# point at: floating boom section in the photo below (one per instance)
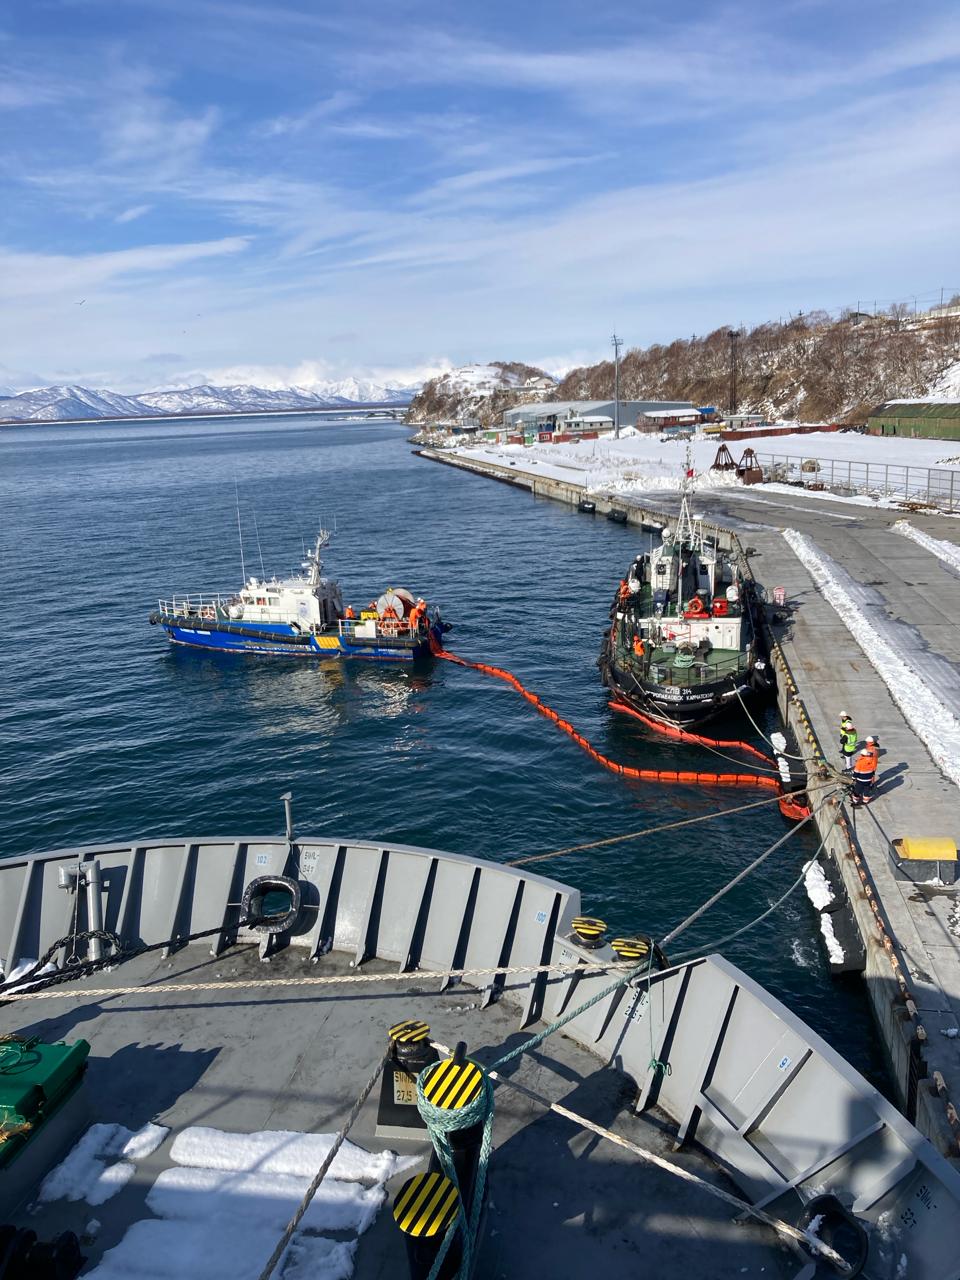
(690, 777)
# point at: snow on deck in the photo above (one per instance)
(229, 1196)
(101, 1164)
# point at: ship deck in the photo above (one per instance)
(563, 1201)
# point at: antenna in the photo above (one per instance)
(617, 344)
(256, 529)
(236, 489)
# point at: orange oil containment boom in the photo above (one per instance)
(684, 735)
(626, 771)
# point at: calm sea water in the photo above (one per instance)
(110, 733)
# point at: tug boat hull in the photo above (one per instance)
(686, 640)
(670, 705)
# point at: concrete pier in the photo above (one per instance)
(911, 932)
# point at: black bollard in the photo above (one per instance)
(424, 1208)
(451, 1085)
(410, 1052)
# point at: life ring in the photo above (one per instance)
(720, 607)
(695, 609)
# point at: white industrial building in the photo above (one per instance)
(577, 416)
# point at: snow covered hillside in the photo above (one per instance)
(480, 391)
(59, 404)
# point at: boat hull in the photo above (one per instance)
(280, 640)
(675, 705)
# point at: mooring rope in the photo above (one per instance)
(666, 826)
(798, 1240)
(441, 1122)
(324, 980)
(741, 875)
(321, 1173)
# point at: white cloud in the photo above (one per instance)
(309, 374)
(337, 103)
(33, 275)
(130, 215)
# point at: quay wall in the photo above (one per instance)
(920, 1089)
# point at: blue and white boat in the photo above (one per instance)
(303, 617)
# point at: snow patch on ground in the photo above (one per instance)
(921, 705)
(638, 462)
(101, 1163)
(223, 1206)
(948, 552)
(817, 886)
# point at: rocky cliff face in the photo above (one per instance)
(813, 368)
(480, 392)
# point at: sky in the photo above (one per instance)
(282, 193)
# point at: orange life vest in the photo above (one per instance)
(866, 767)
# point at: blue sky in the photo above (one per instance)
(285, 192)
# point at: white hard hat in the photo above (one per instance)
(871, 738)
(864, 753)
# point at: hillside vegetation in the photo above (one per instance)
(479, 391)
(812, 368)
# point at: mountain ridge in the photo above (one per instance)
(67, 402)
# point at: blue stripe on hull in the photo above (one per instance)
(228, 642)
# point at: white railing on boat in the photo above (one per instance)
(196, 604)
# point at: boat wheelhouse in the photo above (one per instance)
(685, 640)
(302, 616)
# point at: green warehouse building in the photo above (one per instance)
(936, 419)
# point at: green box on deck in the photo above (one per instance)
(35, 1080)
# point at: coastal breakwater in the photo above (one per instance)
(921, 1069)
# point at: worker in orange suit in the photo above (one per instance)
(864, 776)
(349, 612)
(638, 646)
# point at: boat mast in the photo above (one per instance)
(243, 568)
(256, 529)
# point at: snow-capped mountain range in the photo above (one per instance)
(66, 403)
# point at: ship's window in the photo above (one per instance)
(261, 600)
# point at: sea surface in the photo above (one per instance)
(110, 733)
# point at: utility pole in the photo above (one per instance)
(617, 344)
(733, 336)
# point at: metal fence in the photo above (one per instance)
(932, 486)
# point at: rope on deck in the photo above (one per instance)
(321, 1173)
(325, 980)
(797, 1239)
